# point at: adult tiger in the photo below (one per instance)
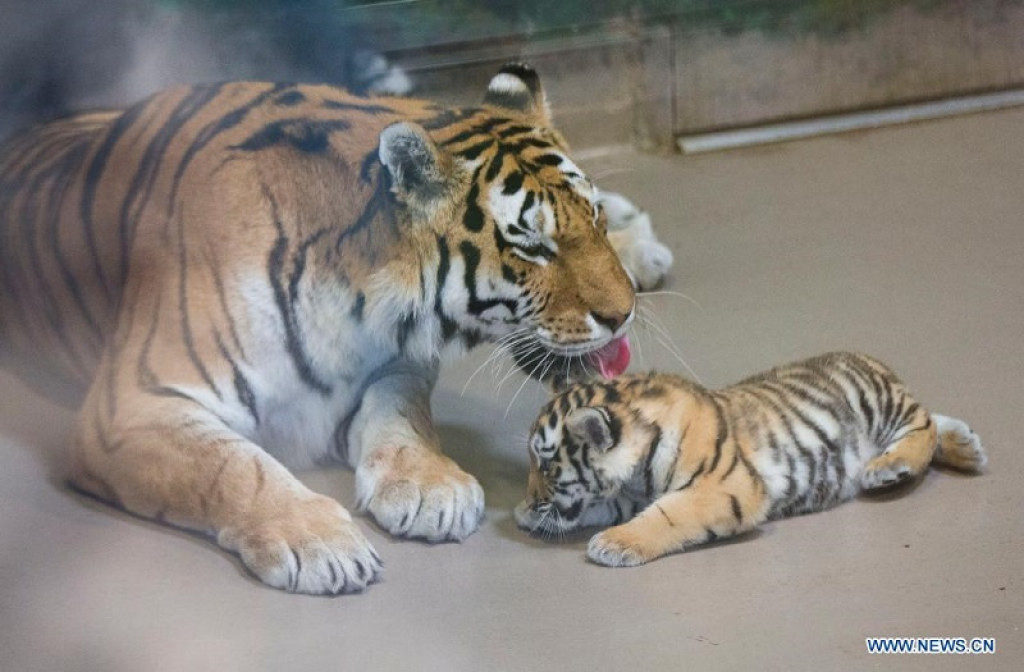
(244, 276)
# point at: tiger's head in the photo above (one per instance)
(587, 452)
(516, 229)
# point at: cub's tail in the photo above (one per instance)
(958, 446)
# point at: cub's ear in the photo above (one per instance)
(591, 426)
(420, 172)
(517, 87)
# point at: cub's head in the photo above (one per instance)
(587, 452)
(516, 229)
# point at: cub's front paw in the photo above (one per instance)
(310, 545)
(617, 547)
(415, 492)
(959, 447)
(885, 473)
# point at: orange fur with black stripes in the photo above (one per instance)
(672, 464)
(245, 277)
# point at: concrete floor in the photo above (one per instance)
(907, 243)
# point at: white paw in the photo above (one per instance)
(645, 258)
(419, 494)
(380, 77)
(959, 446)
(608, 549)
(885, 476)
(393, 83)
(619, 210)
(650, 264)
(308, 546)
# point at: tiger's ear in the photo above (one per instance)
(517, 87)
(420, 172)
(591, 426)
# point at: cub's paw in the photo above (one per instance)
(885, 473)
(417, 493)
(959, 447)
(311, 545)
(616, 547)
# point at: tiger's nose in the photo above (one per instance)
(613, 321)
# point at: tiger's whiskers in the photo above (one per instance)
(526, 364)
(601, 174)
(650, 321)
(503, 346)
(667, 292)
(526, 380)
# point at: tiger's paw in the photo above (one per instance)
(309, 546)
(645, 258)
(881, 473)
(417, 493)
(616, 547)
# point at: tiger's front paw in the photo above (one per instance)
(309, 545)
(618, 547)
(417, 493)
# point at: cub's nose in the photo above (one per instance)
(530, 514)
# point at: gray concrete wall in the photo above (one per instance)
(645, 83)
(904, 56)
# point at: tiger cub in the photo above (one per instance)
(678, 465)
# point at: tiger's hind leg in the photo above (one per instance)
(958, 446)
(645, 258)
(906, 456)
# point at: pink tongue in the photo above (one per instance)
(613, 358)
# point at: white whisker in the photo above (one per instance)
(666, 292)
(681, 360)
(640, 348)
(502, 346)
(547, 368)
(584, 367)
(494, 358)
(525, 364)
(650, 321)
(525, 381)
(599, 175)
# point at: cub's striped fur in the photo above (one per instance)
(680, 465)
(246, 276)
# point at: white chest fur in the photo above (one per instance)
(299, 423)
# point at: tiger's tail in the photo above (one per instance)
(958, 446)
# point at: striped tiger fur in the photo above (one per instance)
(245, 277)
(672, 464)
